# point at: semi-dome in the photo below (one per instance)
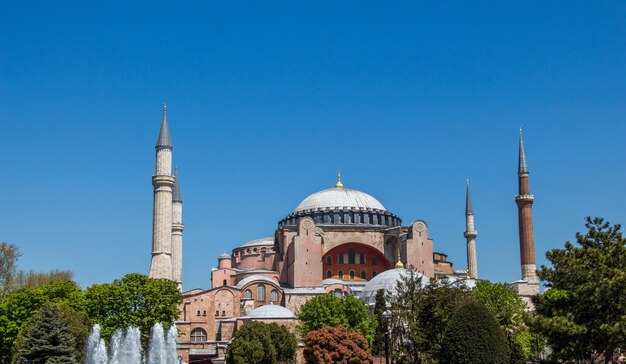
(271, 312)
(341, 198)
(388, 281)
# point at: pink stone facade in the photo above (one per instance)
(312, 252)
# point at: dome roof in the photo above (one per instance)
(262, 241)
(339, 197)
(224, 256)
(388, 281)
(271, 312)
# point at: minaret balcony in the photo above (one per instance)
(525, 198)
(470, 234)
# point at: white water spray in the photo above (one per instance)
(125, 348)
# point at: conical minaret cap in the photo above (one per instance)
(164, 139)
(523, 165)
(176, 196)
(468, 201)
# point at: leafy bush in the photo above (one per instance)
(260, 343)
(328, 310)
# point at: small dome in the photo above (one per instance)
(271, 312)
(256, 242)
(340, 198)
(387, 280)
(224, 256)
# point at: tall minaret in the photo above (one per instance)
(177, 233)
(524, 201)
(470, 235)
(163, 182)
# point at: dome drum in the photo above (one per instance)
(346, 216)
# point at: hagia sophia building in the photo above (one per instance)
(340, 241)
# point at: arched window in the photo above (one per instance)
(340, 274)
(274, 296)
(198, 335)
(224, 283)
(351, 256)
(351, 274)
(329, 260)
(247, 294)
(329, 274)
(361, 258)
(374, 274)
(340, 260)
(260, 293)
(363, 275)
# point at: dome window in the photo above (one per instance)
(274, 296)
(329, 260)
(340, 274)
(329, 274)
(247, 294)
(352, 275)
(363, 275)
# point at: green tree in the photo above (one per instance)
(55, 334)
(328, 310)
(135, 300)
(9, 254)
(336, 345)
(509, 310)
(19, 306)
(420, 314)
(473, 336)
(260, 343)
(380, 306)
(34, 279)
(584, 310)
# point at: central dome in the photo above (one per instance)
(342, 198)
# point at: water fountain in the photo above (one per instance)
(125, 347)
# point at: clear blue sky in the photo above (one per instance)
(265, 101)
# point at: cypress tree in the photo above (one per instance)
(378, 346)
(473, 336)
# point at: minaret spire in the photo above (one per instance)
(470, 235)
(522, 166)
(468, 200)
(164, 140)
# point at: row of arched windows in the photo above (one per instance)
(351, 274)
(260, 294)
(351, 258)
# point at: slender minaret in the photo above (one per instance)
(524, 201)
(470, 236)
(163, 182)
(177, 233)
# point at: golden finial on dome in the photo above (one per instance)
(399, 264)
(339, 184)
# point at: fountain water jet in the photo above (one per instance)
(96, 350)
(125, 348)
